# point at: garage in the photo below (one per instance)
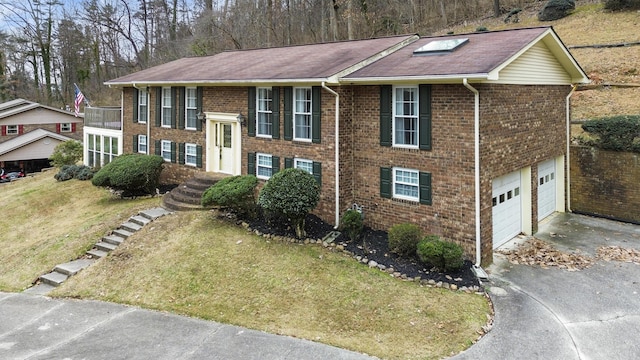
(506, 208)
(546, 188)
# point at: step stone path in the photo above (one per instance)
(108, 243)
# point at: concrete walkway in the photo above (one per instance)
(556, 314)
(37, 327)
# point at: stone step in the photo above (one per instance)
(140, 220)
(154, 213)
(169, 203)
(54, 278)
(97, 253)
(104, 246)
(113, 239)
(189, 198)
(122, 233)
(73, 267)
(131, 227)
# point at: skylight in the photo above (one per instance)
(440, 46)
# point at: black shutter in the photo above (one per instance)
(174, 108)
(135, 144)
(288, 113)
(316, 102)
(275, 164)
(182, 155)
(275, 112)
(251, 164)
(135, 105)
(199, 96)
(158, 106)
(181, 107)
(288, 163)
(425, 117)
(385, 182)
(251, 116)
(173, 152)
(199, 156)
(425, 188)
(386, 116)
(317, 172)
(158, 148)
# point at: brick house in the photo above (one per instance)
(30, 131)
(464, 135)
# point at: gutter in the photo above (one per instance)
(568, 166)
(337, 153)
(480, 273)
(146, 88)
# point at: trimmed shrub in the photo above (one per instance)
(68, 172)
(290, 193)
(444, 255)
(131, 174)
(616, 133)
(351, 223)
(621, 5)
(66, 153)
(236, 193)
(556, 9)
(404, 239)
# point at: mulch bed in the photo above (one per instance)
(378, 251)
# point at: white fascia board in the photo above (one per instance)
(439, 79)
(253, 82)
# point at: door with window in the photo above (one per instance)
(225, 147)
(223, 139)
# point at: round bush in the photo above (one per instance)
(236, 193)
(444, 255)
(66, 153)
(133, 174)
(351, 222)
(291, 193)
(404, 239)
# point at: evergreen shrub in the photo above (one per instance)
(444, 255)
(236, 193)
(131, 174)
(404, 239)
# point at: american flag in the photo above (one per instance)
(79, 99)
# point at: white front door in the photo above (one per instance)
(546, 188)
(507, 208)
(223, 143)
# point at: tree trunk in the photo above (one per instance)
(496, 8)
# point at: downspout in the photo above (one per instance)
(568, 165)
(146, 88)
(337, 153)
(476, 125)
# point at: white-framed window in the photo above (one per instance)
(405, 117)
(264, 122)
(142, 144)
(101, 149)
(406, 184)
(143, 105)
(191, 108)
(303, 164)
(302, 114)
(190, 154)
(12, 129)
(65, 127)
(264, 166)
(165, 150)
(167, 102)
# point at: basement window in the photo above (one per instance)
(440, 46)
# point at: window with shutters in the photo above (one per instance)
(167, 102)
(142, 144)
(302, 114)
(190, 154)
(405, 117)
(303, 164)
(191, 108)
(264, 166)
(66, 127)
(143, 105)
(264, 112)
(406, 184)
(165, 151)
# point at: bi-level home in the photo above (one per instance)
(465, 135)
(29, 132)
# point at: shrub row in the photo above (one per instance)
(616, 133)
(406, 240)
(68, 172)
(131, 174)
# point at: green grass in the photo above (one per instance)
(196, 265)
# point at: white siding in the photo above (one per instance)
(39, 149)
(537, 65)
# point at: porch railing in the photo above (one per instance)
(103, 117)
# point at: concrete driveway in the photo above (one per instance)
(552, 313)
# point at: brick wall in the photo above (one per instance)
(605, 183)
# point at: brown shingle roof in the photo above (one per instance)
(313, 62)
(483, 53)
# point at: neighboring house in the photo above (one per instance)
(30, 131)
(464, 135)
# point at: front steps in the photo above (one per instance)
(187, 196)
(108, 243)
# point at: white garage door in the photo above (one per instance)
(506, 208)
(546, 188)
